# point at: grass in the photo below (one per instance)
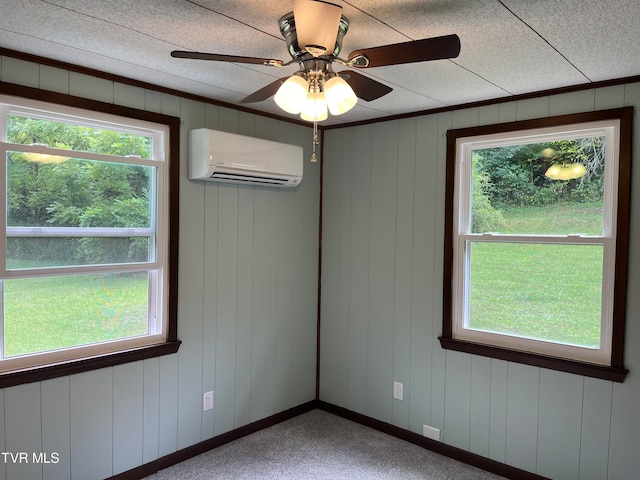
(43, 314)
(549, 292)
(543, 291)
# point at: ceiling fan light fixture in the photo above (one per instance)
(565, 171)
(314, 108)
(339, 96)
(44, 158)
(292, 94)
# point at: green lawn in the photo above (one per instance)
(44, 314)
(550, 292)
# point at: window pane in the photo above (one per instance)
(44, 252)
(27, 131)
(555, 187)
(77, 193)
(541, 291)
(44, 314)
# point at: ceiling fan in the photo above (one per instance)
(314, 32)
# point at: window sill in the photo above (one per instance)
(614, 374)
(46, 372)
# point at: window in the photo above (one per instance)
(88, 264)
(536, 247)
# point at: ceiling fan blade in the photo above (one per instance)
(436, 48)
(265, 92)
(226, 58)
(317, 24)
(364, 87)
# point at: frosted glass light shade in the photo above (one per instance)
(339, 96)
(292, 94)
(44, 158)
(315, 108)
(567, 171)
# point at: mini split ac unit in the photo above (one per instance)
(228, 157)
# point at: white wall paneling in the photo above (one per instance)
(247, 310)
(555, 424)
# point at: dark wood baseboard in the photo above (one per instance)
(412, 437)
(202, 447)
(437, 447)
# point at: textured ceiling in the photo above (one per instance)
(509, 47)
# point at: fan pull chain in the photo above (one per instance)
(314, 158)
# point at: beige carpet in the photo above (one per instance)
(319, 445)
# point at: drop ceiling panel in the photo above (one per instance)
(600, 38)
(509, 47)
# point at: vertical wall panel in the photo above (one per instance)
(20, 72)
(359, 261)
(56, 435)
(457, 397)
(191, 289)
(596, 425)
(128, 403)
(245, 308)
(23, 430)
(54, 79)
(381, 260)
(480, 414)
(559, 425)
(168, 406)
(522, 416)
(151, 410)
(330, 345)
(264, 306)
(422, 275)
(129, 95)
(332, 318)
(489, 114)
(498, 411)
(532, 108)
(226, 308)
(86, 86)
(344, 331)
(609, 97)
(209, 280)
(287, 290)
(583, 100)
(210, 302)
(153, 101)
(403, 268)
(92, 425)
(436, 186)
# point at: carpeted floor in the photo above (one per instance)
(319, 445)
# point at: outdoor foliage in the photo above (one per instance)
(516, 174)
(77, 193)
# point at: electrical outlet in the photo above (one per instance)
(398, 390)
(430, 432)
(207, 401)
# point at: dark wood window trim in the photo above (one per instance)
(172, 343)
(616, 371)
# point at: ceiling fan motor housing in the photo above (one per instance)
(287, 25)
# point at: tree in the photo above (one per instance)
(517, 172)
(78, 192)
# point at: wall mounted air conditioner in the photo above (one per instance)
(229, 157)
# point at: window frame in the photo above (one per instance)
(125, 351)
(611, 367)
